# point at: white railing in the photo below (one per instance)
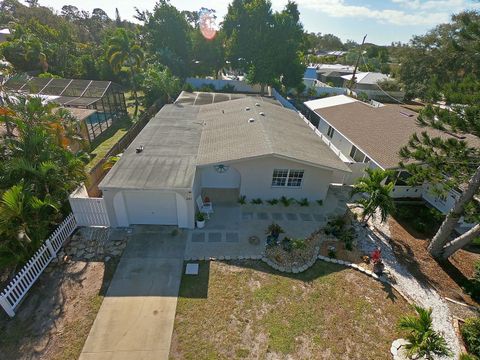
(15, 291)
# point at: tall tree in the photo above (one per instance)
(167, 34)
(448, 161)
(123, 51)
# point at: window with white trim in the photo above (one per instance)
(357, 155)
(330, 132)
(287, 178)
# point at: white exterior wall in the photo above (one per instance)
(256, 179)
(338, 140)
(442, 205)
(213, 179)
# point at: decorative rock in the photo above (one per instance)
(295, 271)
(221, 258)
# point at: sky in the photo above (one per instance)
(383, 21)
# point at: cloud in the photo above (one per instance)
(402, 13)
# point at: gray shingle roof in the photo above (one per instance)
(181, 137)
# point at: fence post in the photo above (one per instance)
(53, 254)
(6, 306)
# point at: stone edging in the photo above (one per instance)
(222, 258)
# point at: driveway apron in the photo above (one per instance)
(136, 318)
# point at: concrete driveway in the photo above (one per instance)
(136, 318)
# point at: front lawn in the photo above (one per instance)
(243, 309)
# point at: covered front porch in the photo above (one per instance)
(227, 232)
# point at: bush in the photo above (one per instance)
(207, 88)
(320, 202)
(257, 201)
(475, 282)
(200, 216)
(347, 236)
(303, 202)
(464, 356)
(471, 335)
(272, 201)
(286, 201)
(335, 226)
(228, 88)
(287, 244)
(299, 244)
(187, 87)
(242, 199)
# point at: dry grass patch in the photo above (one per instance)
(57, 314)
(243, 310)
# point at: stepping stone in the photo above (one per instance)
(277, 216)
(215, 237)
(231, 237)
(292, 216)
(318, 217)
(191, 269)
(262, 216)
(247, 215)
(198, 237)
(306, 217)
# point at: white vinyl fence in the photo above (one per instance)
(13, 294)
(88, 211)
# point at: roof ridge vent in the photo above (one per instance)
(257, 104)
(251, 120)
(262, 113)
(247, 108)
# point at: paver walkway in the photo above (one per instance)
(136, 318)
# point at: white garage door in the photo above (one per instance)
(151, 207)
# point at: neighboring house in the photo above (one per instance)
(372, 136)
(251, 145)
(103, 102)
(368, 83)
(4, 34)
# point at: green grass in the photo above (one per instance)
(476, 241)
(103, 143)
(235, 310)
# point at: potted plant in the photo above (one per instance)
(200, 219)
(273, 232)
(378, 266)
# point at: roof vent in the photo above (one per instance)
(139, 149)
(257, 104)
(247, 108)
(251, 120)
(262, 113)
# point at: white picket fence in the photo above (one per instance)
(15, 291)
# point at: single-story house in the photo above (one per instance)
(370, 84)
(252, 145)
(372, 136)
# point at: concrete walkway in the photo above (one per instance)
(136, 318)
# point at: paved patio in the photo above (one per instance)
(227, 231)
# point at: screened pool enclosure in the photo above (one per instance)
(105, 98)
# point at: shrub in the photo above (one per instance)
(242, 199)
(287, 244)
(475, 282)
(332, 252)
(207, 88)
(257, 201)
(347, 236)
(464, 356)
(272, 201)
(299, 244)
(228, 88)
(471, 335)
(303, 202)
(286, 201)
(200, 216)
(334, 226)
(274, 230)
(187, 87)
(320, 202)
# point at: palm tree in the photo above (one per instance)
(124, 51)
(378, 193)
(423, 340)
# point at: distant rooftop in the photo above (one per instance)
(367, 77)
